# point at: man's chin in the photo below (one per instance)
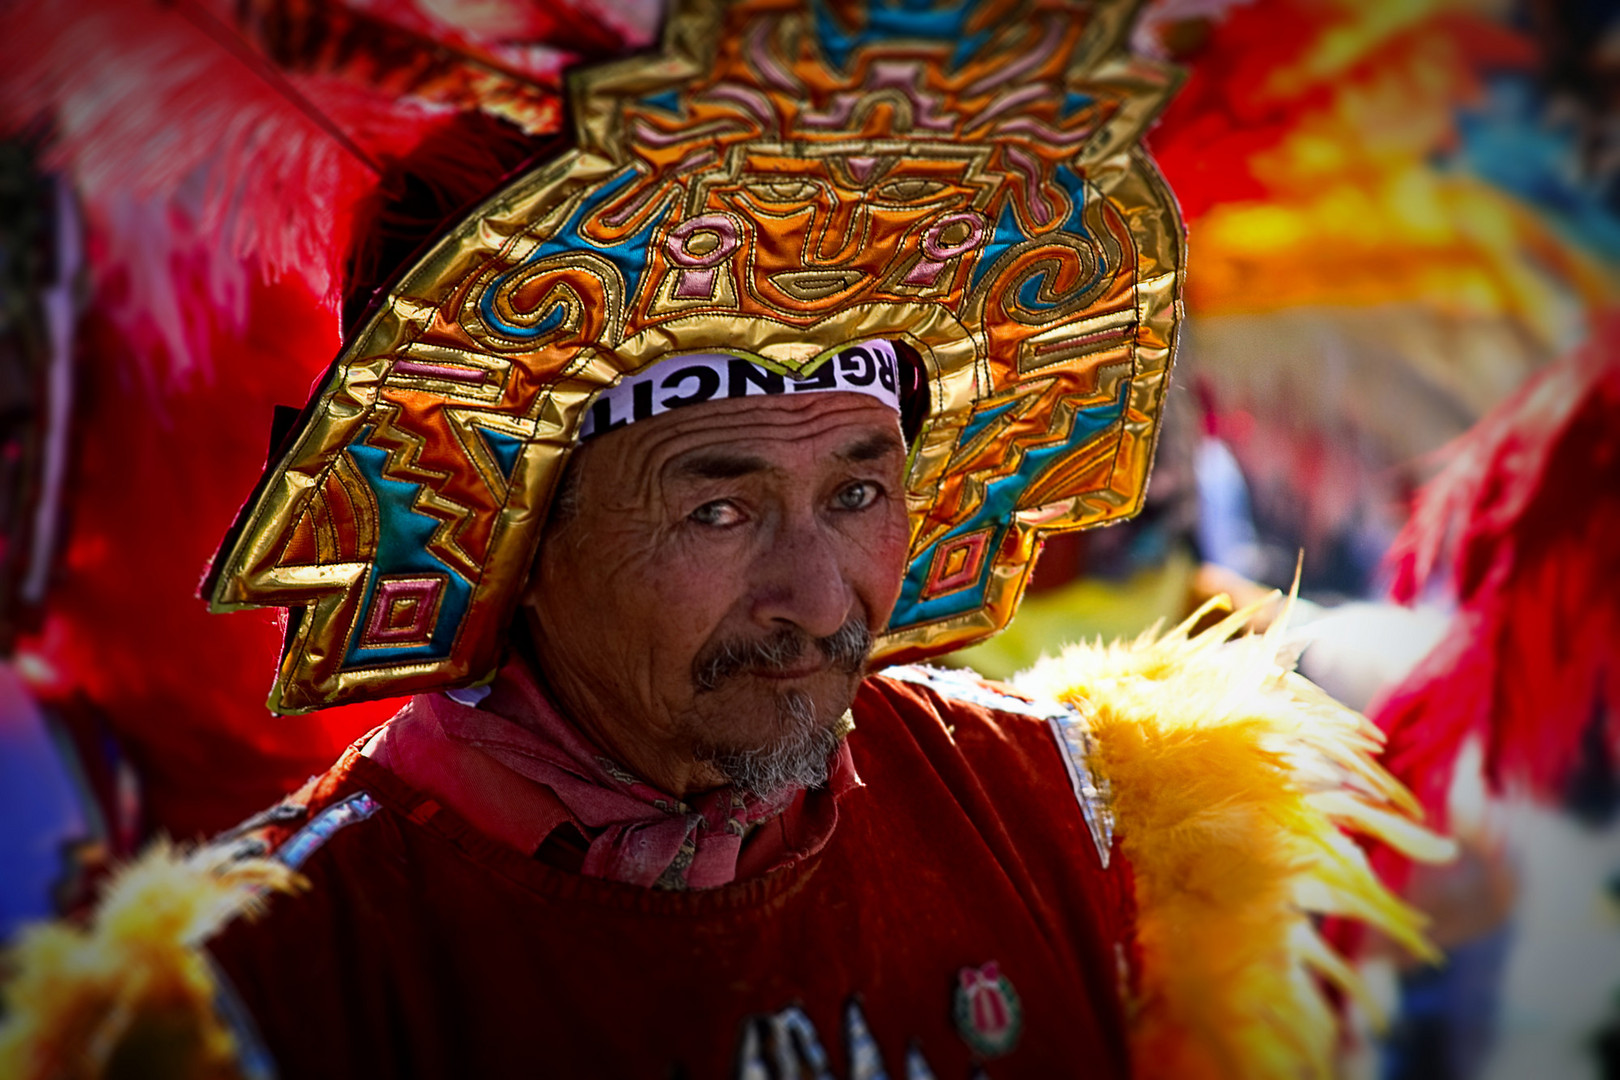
(797, 730)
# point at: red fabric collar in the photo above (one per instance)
(516, 769)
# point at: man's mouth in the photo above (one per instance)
(787, 674)
(785, 657)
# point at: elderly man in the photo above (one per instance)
(649, 845)
(635, 479)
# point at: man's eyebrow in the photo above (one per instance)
(872, 448)
(718, 466)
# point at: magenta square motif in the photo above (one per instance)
(956, 565)
(404, 611)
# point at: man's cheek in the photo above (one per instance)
(892, 547)
(683, 608)
(888, 570)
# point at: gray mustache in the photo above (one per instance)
(846, 651)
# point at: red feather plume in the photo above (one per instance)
(1526, 519)
(208, 139)
(242, 166)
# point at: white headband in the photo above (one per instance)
(870, 368)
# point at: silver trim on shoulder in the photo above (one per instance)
(1073, 736)
(253, 1060)
(1068, 724)
(324, 825)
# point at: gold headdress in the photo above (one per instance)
(783, 179)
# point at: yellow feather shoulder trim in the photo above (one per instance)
(1233, 781)
(132, 992)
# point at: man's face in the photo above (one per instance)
(707, 606)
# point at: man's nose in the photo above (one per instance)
(801, 581)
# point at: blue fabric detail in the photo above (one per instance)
(551, 320)
(503, 448)
(669, 101)
(45, 807)
(312, 837)
(1008, 233)
(628, 255)
(1511, 142)
(982, 419)
(899, 20)
(469, 696)
(1029, 294)
(1076, 187)
(1073, 103)
(912, 609)
(402, 537)
(1000, 500)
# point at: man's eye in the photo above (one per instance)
(717, 514)
(857, 496)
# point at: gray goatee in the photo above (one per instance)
(797, 755)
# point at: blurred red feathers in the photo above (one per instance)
(241, 168)
(1522, 526)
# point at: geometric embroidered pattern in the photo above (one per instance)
(404, 611)
(958, 563)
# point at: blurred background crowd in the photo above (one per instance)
(1399, 379)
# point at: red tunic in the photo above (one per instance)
(425, 948)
